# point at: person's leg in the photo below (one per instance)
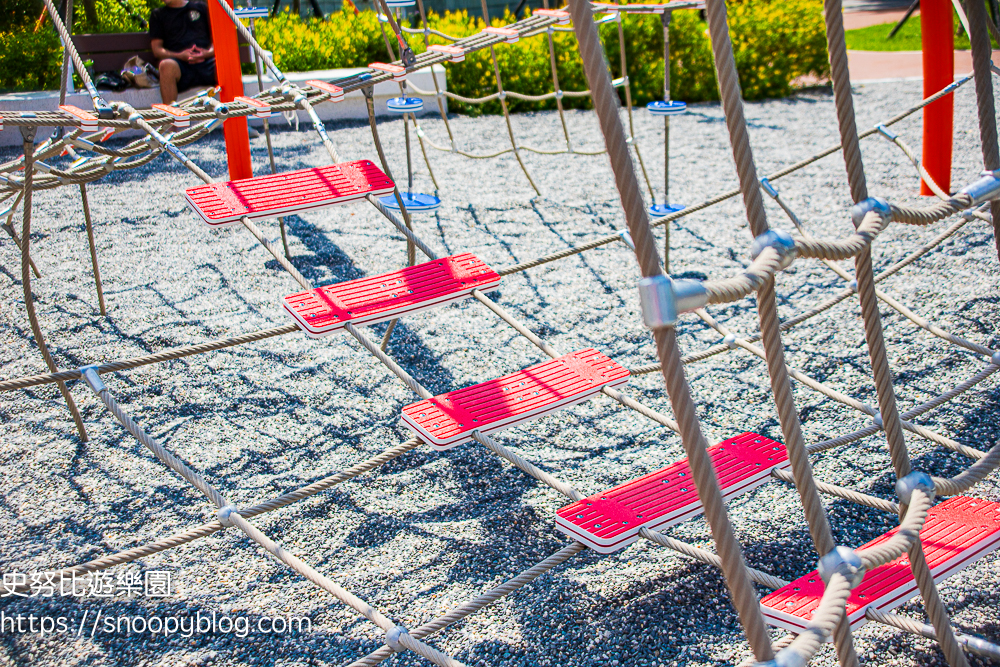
(205, 73)
(170, 74)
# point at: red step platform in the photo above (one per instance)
(221, 204)
(324, 310)
(609, 521)
(958, 532)
(449, 419)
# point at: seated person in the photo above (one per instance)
(182, 42)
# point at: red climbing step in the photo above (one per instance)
(181, 118)
(336, 92)
(562, 17)
(324, 310)
(398, 73)
(88, 121)
(260, 109)
(609, 521)
(457, 53)
(509, 34)
(958, 532)
(269, 196)
(449, 419)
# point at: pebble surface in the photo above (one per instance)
(431, 530)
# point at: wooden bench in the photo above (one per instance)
(110, 51)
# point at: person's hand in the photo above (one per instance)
(190, 55)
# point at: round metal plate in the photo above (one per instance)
(413, 201)
(405, 104)
(661, 108)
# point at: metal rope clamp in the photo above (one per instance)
(781, 241)
(985, 189)
(905, 486)
(862, 208)
(92, 378)
(392, 637)
(785, 658)
(766, 186)
(842, 560)
(225, 515)
(664, 299)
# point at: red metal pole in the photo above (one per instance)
(227, 70)
(938, 41)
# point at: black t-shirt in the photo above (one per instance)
(181, 27)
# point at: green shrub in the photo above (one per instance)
(774, 42)
(343, 39)
(32, 61)
(29, 60)
(19, 13)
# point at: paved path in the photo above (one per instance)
(877, 65)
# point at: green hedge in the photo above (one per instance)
(774, 42)
(31, 60)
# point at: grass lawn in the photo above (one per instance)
(873, 38)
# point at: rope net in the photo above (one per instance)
(773, 252)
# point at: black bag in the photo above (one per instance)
(110, 81)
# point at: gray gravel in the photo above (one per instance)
(431, 530)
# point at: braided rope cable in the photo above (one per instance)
(99, 104)
(829, 616)
(981, 54)
(555, 82)
(974, 644)
(93, 249)
(442, 106)
(213, 526)
(410, 247)
(705, 556)
(29, 298)
(890, 301)
(159, 451)
(158, 357)
(694, 208)
(826, 618)
(472, 606)
(815, 513)
(234, 517)
(829, 392)
(244, 33)
(972, 475)
(377, 355)
(855, 497)
(873, 323)
(345, 596)
(503, 105)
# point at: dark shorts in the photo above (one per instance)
(199, 74)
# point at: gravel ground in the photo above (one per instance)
(430, 530)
